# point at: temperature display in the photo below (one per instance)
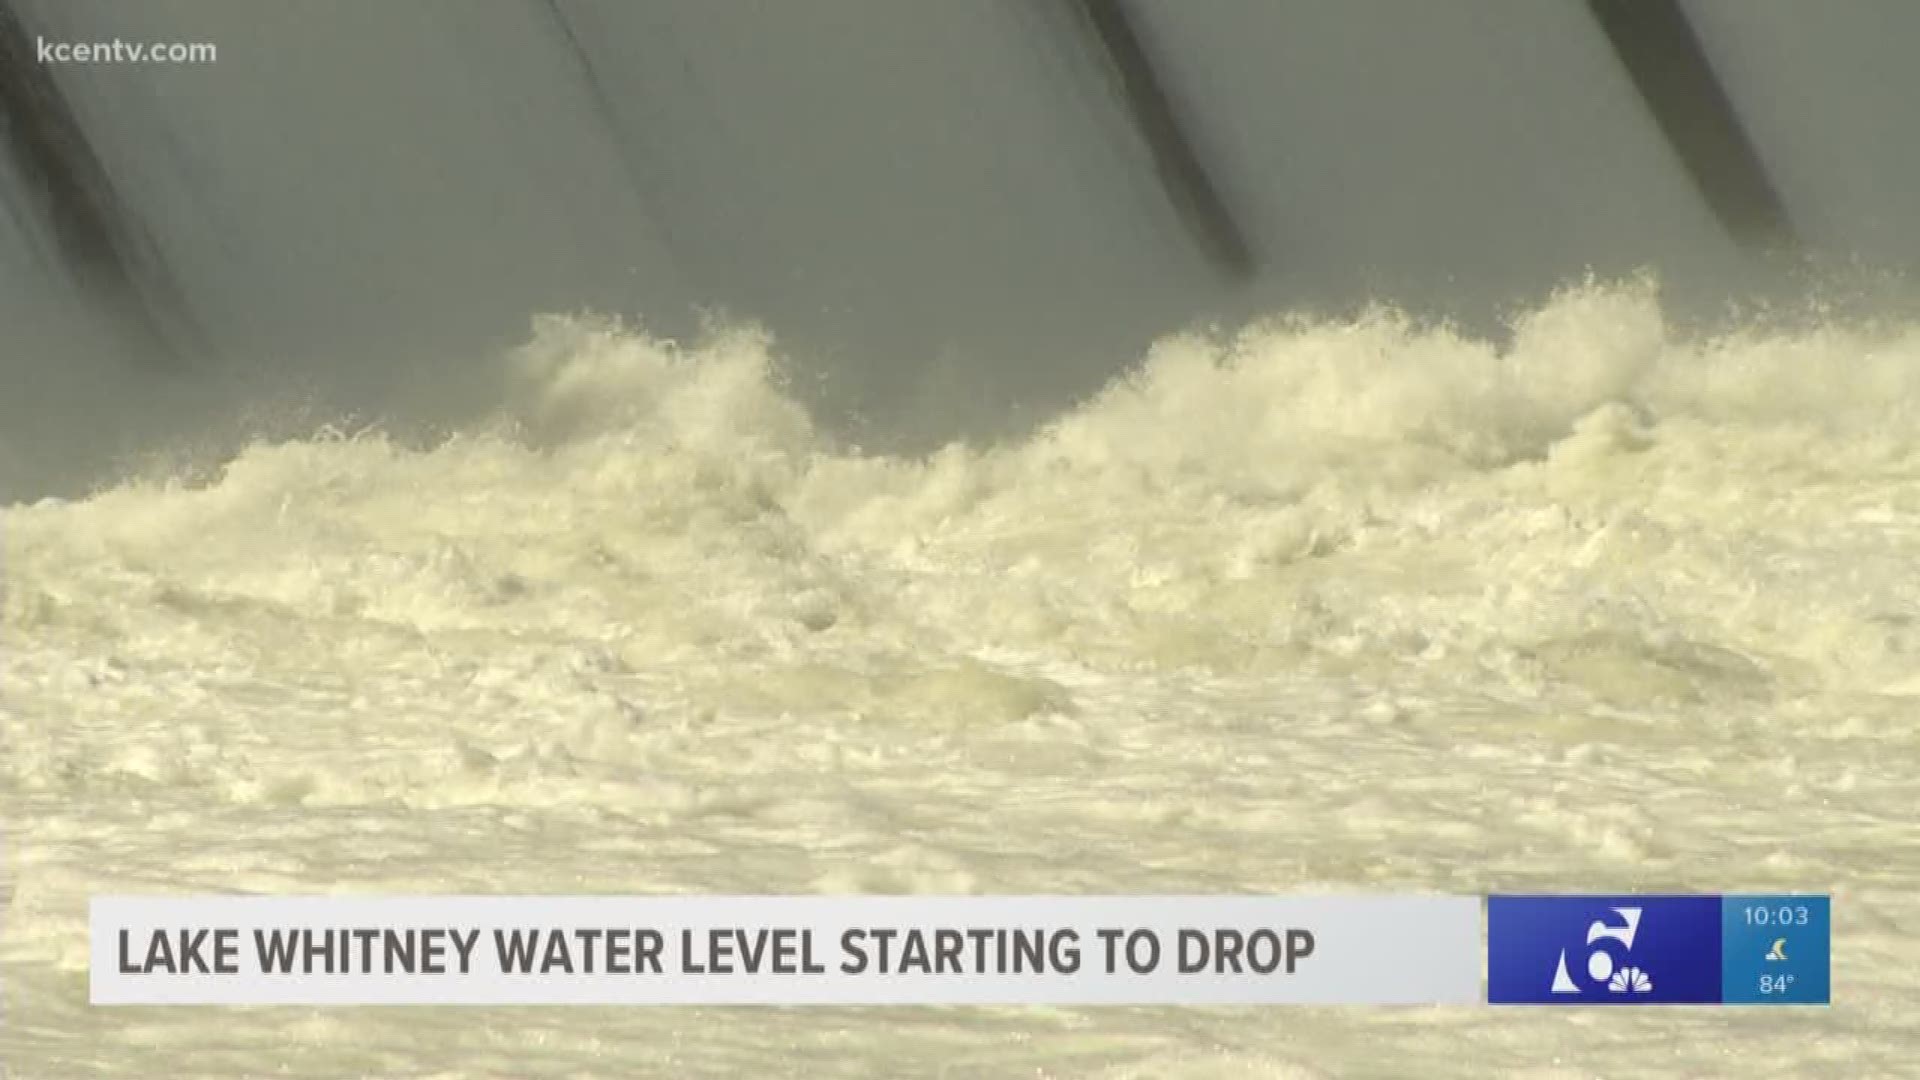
(1775, 950)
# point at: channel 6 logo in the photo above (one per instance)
(1603, 950)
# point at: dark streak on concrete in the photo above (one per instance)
(1184, 179)
(1662, 54)
(104, 250)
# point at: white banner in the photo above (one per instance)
(785, 950)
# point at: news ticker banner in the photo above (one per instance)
(784, 950)
(957, 950)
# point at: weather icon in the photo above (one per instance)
(1779, 950)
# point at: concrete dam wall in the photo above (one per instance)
(952, 217)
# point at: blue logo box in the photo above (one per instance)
(1658, 950)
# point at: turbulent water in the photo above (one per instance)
(1351, 605)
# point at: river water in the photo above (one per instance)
(1351, 605)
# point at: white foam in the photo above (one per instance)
(1352, 604)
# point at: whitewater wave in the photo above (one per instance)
(1300, 493)
(1319, 605)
